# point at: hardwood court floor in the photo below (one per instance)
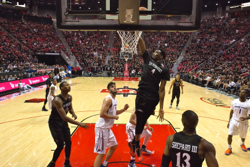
(26, 140)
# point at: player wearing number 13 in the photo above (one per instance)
(238, 123)
(186, 148)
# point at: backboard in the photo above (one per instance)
(102, 15)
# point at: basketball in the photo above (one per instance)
(143, 8)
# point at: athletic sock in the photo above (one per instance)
(105, 163)
(132, 158)
(133, 142)
(242, 143)
(229, 146)
(137, 144)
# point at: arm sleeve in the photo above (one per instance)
(146, 57)
(166, 75)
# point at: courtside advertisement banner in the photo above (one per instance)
(14, 84)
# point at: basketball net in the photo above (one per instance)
(129, 40)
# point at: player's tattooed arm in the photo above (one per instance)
(142, 45)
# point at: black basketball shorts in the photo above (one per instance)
(59, 130)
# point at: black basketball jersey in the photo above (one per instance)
(184, 150)
(48, 82)
(177, 85)
(152, 74)
(54, 113)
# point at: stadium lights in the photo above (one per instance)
(80, 7)
(89, 7)
(154, 2)
(98, 2)
(228, 1)
(216, 4)
(205, 6)
(100, 8)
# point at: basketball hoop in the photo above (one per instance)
(126, 58)
(129, 40)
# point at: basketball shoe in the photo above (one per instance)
(144, 150)
(139, 156)
(228, 152)
(170, 106)
(243, 147)
(132, 164)
(177, 107)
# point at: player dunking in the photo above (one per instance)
(62, 104)
(186, 148)
(238, 123)
(176, 84)
(48, 83)
(52, 93)
(104, 137)
(149, 93)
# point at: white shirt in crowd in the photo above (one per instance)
(208, 78)
(232, 84)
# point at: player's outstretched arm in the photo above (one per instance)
(166, 154)
(57, 102)
(105, 106)
(118, 112)
(142, 45)
(161, 99)
(210, 154)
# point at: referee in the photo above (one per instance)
(48, 83)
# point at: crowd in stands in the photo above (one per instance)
(90, 49)
(216, 57)
(221, 64)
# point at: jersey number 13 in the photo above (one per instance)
(186, 160)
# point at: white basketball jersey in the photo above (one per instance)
(108, 123)
(131, 125)
(50, 90)
(240, 109)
